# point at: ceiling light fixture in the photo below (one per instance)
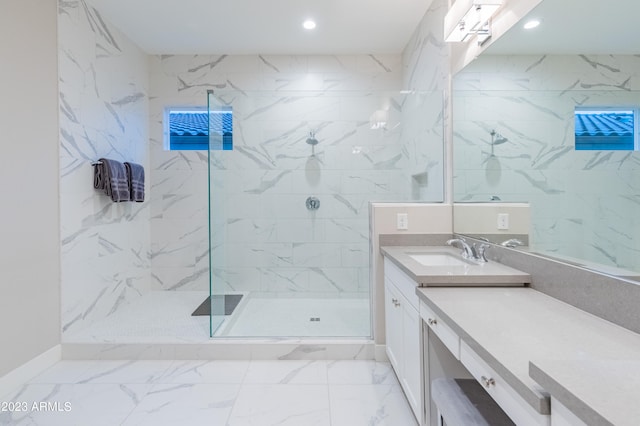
(468, 18)
(531, 24)
(309, 24)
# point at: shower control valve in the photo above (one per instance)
(313, 203)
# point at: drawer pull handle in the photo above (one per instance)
(395, 302)
(487, 382)
(432, 321)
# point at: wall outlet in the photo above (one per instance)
(503, 221)
(402, 221)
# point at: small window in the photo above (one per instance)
(602, 129)
(187, 128)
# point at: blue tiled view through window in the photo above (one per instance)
(189, 129)
(605, 129)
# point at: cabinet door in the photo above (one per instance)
(393, 327)
(412, 377)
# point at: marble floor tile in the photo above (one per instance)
(348, 317)
(158, 316)
(225, 393)
(91, 404)
(282, 405)
(185, 404)
(165, 317)
(380, 405)
(125, 372)
(64, 372)
(365, 372)
(223, 372)
(287, 372)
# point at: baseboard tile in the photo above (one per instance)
(27, 371)
(381, 353)
(224, 349)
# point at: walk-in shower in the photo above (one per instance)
(289, 229)
(285, 251)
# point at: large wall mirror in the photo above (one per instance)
(515, 129)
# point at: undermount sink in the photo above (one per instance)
(445, 266)
(438, 259)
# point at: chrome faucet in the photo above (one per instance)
(476, 252)
(513, 242)
(467, 251)
(479, 252)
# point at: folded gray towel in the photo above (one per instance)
(135, 178)
(111, 177)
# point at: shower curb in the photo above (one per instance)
(225, 349)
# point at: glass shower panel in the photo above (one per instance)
(290, 203)
(220, 140)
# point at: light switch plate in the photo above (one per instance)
(402, 220)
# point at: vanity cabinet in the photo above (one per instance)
(403, 331)
(440, 328)
(508, 398)
(562, 416)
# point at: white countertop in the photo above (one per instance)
(511, 327)
(485, 274)
(602, 392)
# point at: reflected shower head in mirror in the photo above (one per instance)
(496, 139)
(311, 140)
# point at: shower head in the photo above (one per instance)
(311, 140)
(497, 138)
(500, 140)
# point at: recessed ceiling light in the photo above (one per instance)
(531, 24)
(309, 24)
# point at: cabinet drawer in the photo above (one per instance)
(449, 337)
(516, 408)
(402, 281)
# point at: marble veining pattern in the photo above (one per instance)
(169, 392)
(105, 260)
(263, 234)
(111, 104)
(162, 317)
(583, 203)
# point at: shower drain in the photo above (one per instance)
(314, 319)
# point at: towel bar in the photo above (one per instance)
(95, 163)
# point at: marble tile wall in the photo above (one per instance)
(103, 96)
(111, 95)
(584, 203)
(265, 239)
(426, 72)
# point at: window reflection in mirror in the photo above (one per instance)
(584, 203)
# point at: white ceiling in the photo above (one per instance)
(356, 26)
(265, 26)
(576, 27)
